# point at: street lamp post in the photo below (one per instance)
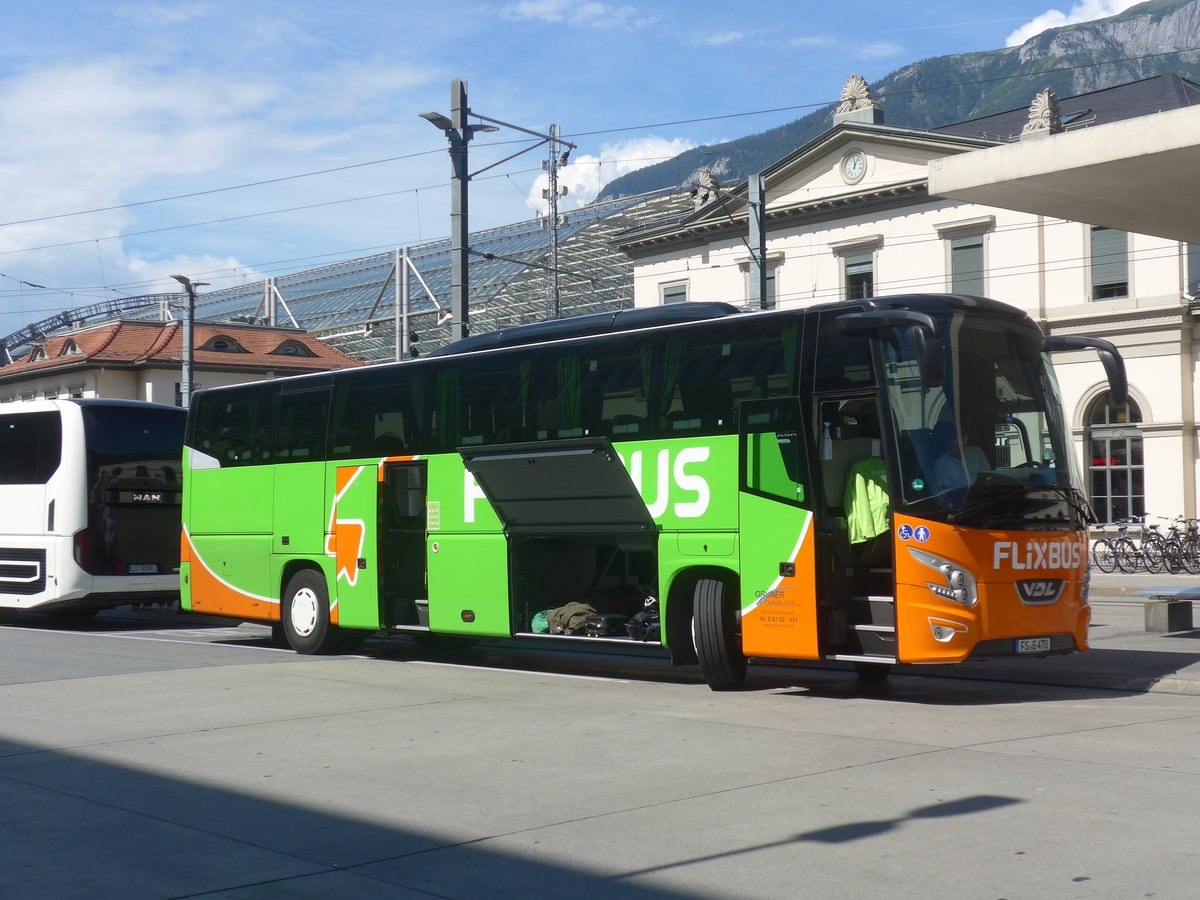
(185, 383)
(458, 133)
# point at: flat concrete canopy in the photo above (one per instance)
(1140, 175)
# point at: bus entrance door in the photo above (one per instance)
(858, 598)
(775, 519)
(402, 525)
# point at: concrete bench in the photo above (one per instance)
(1168, 610)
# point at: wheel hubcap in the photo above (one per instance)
(304, 612)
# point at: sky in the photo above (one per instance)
(229, 142)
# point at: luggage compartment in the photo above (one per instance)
(615, 575)
(578, 532)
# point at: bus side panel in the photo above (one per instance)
(1029, 585)
(469, 584)
(231, 575)
(350, 545)
(467, 554)
(778, 583)
(30, 566)
(25, 510)
(300, 512)
(236, 500)
(228, 541)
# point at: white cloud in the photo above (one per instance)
(218, 270)
(813, 40)
(721, 39)
(162, 14)
(578, 13)
(1084, 11)
(878, 50)
(586, 175)
(87, 135)
(857, 49)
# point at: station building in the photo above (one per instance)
(1073, 210)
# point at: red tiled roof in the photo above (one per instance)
(145, 343)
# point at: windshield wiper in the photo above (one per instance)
(1074, 499)
(1069, 495)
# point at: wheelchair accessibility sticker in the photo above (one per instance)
(908, 533)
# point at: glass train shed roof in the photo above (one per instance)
(352, 304)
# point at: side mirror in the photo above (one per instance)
(923, 333)
(1110, 357)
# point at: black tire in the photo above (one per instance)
(1103, 557)
(1173, 557)
(717, 636)
(872, 673)
(1128, 558)
(1191, 556)
(1155, 555)
(305, 614)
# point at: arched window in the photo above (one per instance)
(1116, 474)
(292, 348)
(223, 344)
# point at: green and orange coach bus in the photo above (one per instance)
(881, 481)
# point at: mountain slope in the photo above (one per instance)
(1146, 40)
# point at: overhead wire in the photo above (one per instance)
(337, 169)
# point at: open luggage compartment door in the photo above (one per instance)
(577, 486)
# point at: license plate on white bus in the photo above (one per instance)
(1033, 645)
(146, 569)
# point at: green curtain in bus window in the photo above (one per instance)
(661, 390)
(449, 410)
(789, 338)
(571, 403)
(419, 430)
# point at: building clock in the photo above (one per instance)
(854, 167)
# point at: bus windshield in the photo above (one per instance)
(134, 478)
(988, 448)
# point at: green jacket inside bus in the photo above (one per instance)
(866, 500)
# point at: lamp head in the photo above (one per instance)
(437, 120)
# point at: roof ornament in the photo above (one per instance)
(857, 104)
(704, 187)
(1043, 116)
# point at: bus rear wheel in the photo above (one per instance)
(305, 614)
(718, 640)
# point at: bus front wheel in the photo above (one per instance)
(305, 614)
(718, 640)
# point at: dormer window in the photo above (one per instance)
(224, 344)
(70, 348)
(292, 348)
(38, 355)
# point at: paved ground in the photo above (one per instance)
(159, 756)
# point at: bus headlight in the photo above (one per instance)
(957, 585)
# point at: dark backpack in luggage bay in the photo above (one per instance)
(606, 625)
(645, 626)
